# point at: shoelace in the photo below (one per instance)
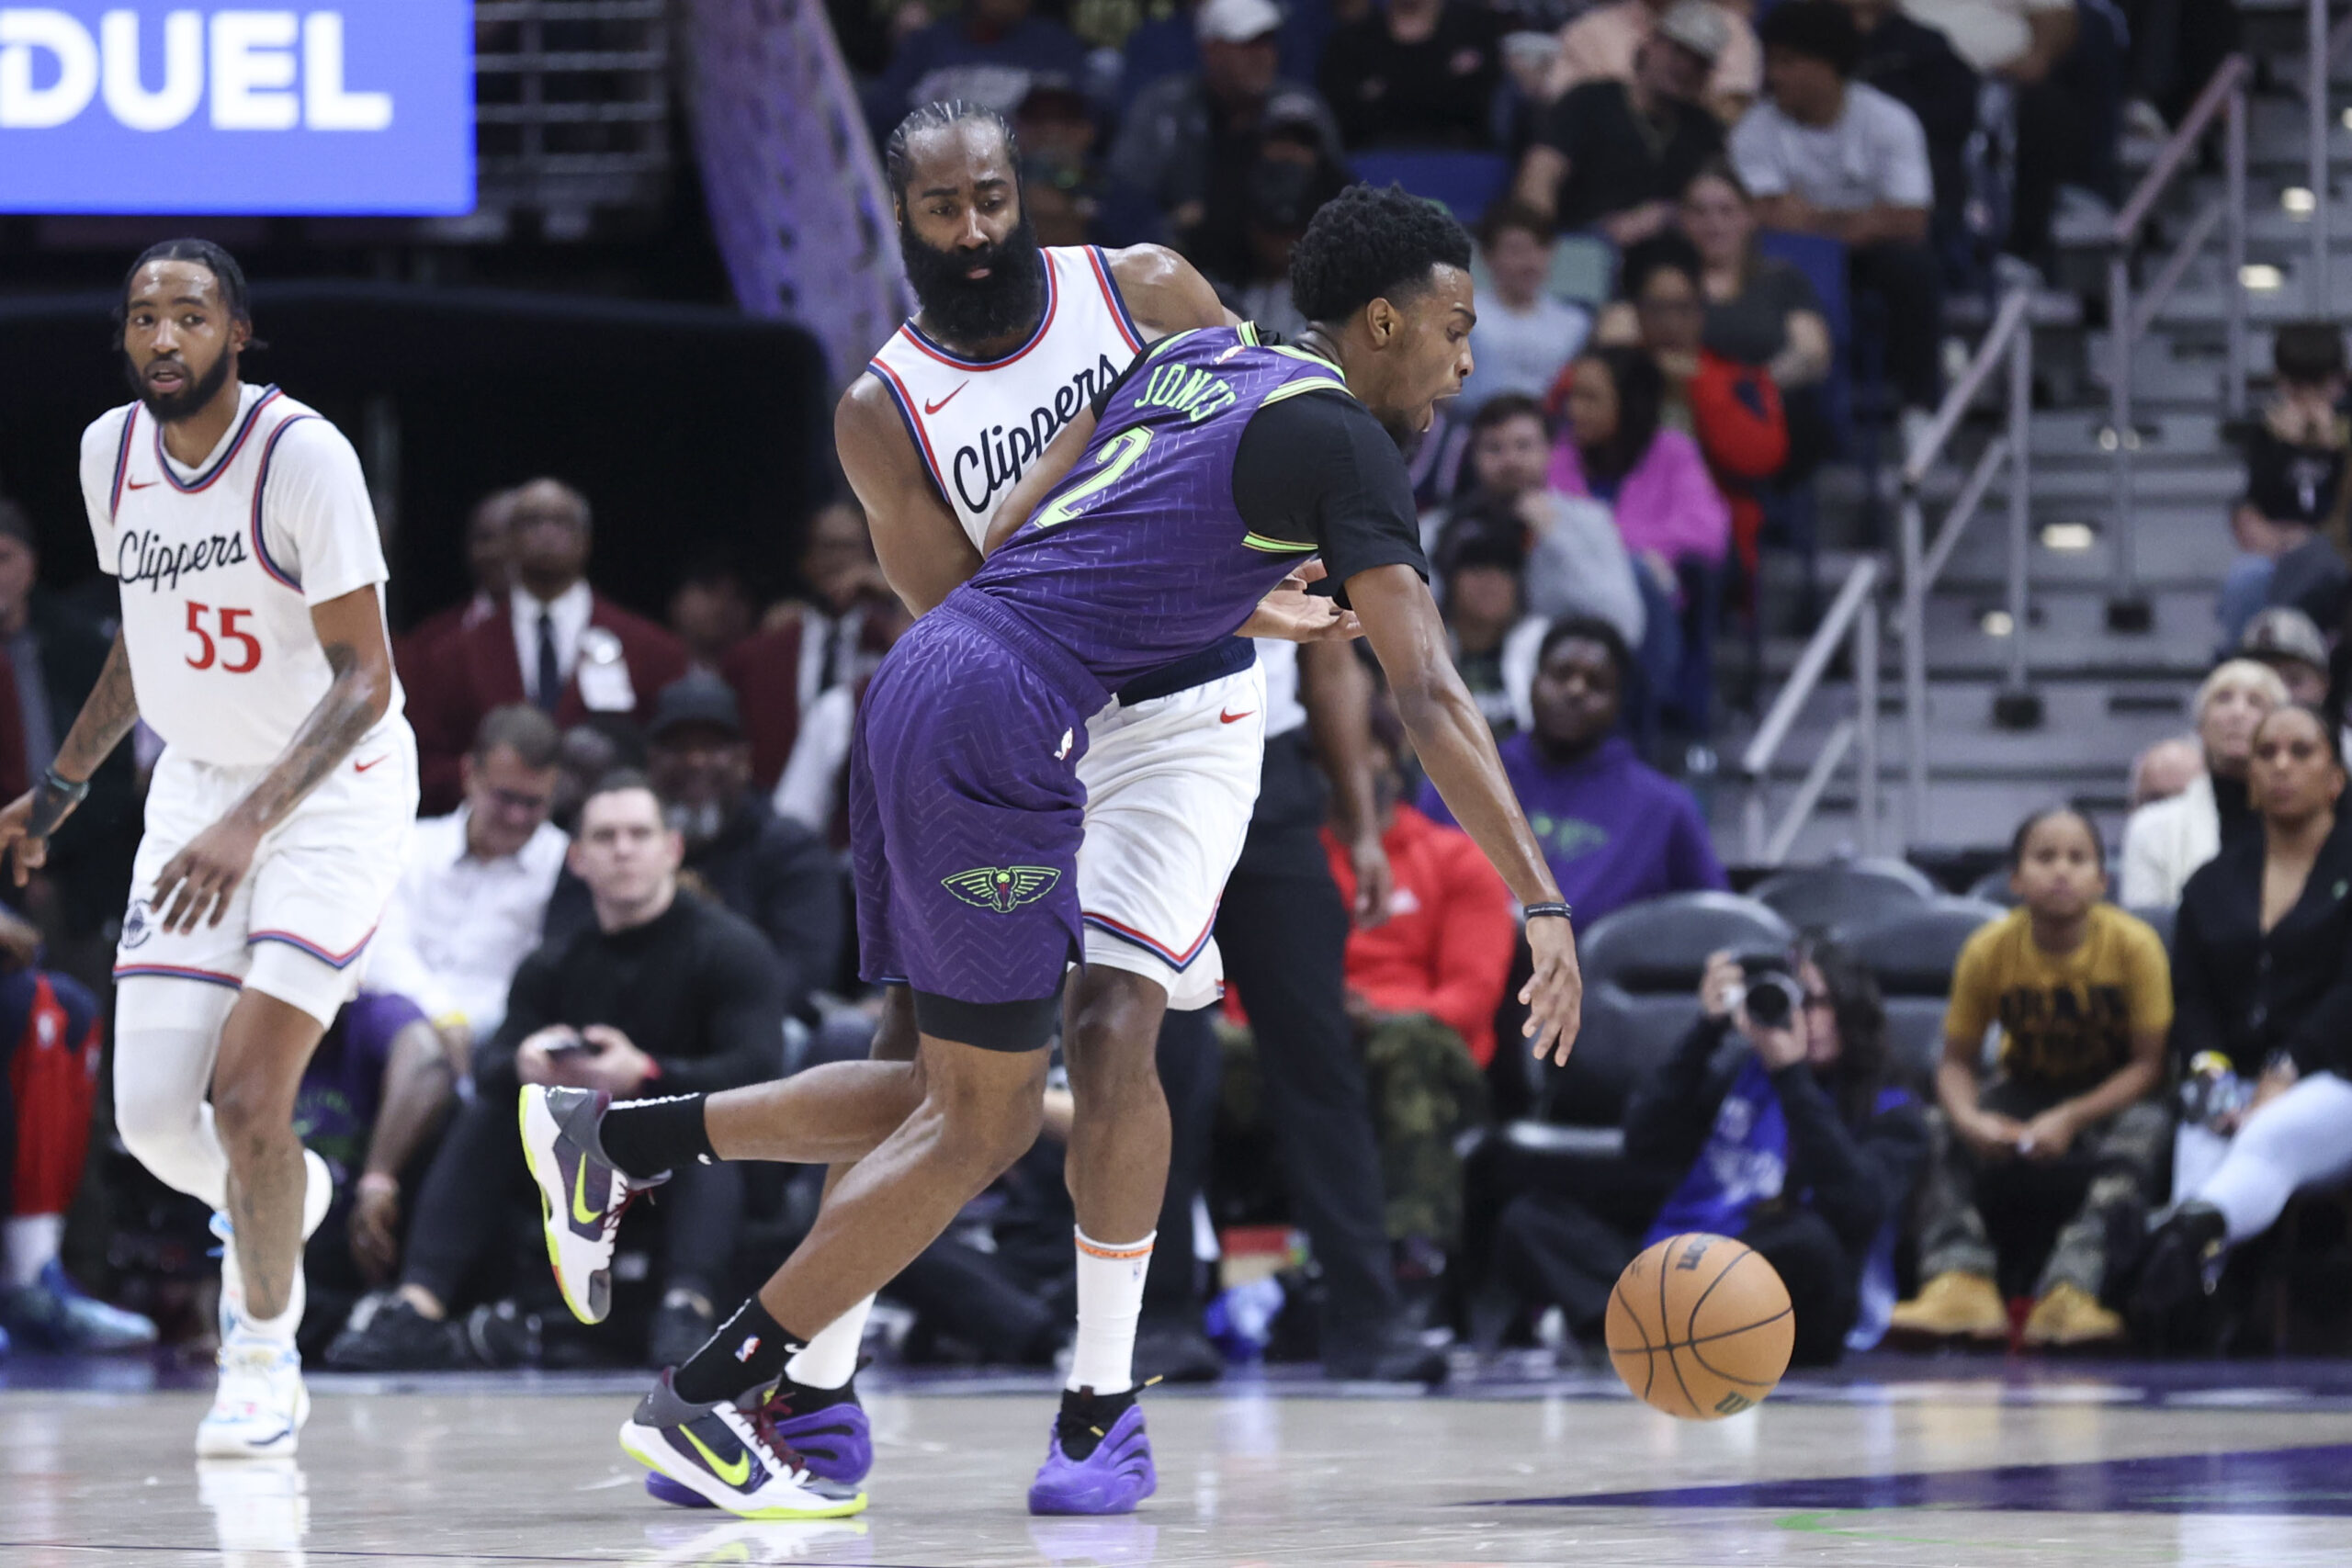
(783, 1458)
(613, 1216)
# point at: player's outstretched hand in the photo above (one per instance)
(196, 883)
(1555, 993)
(1292, 614)
(25, 853)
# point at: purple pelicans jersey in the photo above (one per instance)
(1217, 464)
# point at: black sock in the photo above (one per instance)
(1087, 1417)
(748, 1351)
(646, 1138)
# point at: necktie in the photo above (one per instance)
(551, 686)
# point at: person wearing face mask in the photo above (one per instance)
(2065, 1138)
(2259, 955)
(1797, 1145)
(2164, 842)
(772, 870)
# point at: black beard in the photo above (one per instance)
(965, 312)
(170, 409)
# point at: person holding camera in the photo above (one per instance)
(1777, 1110)
(2063, 1145)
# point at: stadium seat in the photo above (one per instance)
(1912, 951)
(1993, 888)
(1584, 268)
(1467, 183)
(1914, 1040)
(1845, 895)
(1660, 946)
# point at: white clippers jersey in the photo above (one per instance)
(977, 448)
(220, 565)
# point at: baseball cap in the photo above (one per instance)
(1697, 25)
(2283, 631)
(1236, 21)
(698, 697)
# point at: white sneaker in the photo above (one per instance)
(582, 1193)
(261, 1405)
(318, 1196)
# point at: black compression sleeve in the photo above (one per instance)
(1319, 469)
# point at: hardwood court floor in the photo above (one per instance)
(1895, 1462)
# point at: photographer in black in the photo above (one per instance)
(1776, 1109)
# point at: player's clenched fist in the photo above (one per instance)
(194, 886)
(1555, 993)
(26, 852)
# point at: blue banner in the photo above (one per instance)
(196, 106)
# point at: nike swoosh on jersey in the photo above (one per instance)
(932, 408)
(734, 1474)
(363, 767)
(1225, 717)
(151, 484)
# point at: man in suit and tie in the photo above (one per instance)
(555, 643)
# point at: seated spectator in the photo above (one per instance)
(1614, 448)
(664, 992)
(1604, 45)
(1761, 311)
(1279, 194)
(1796, 1143)
(558, 643)
(487, 542)
(1826, 154)
(2166, 770)
(774, 872)
(1733, 410)
(2058, 61)
(1613, 153)
(473, 901)
(1186, 141)
(1613, 830)
(987, 52)
(1575, 562)
(834, 637)
(711, 611)
(1167, 43)
(1415, 73)
(368, 1102)
(50, 1034)
(1915, 65)
(2260, 952)
(2164, 842)
(2290, 643)
(1524, 337)
(2288, 525)
(2083, 998)
(1478, 561)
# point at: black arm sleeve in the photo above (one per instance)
(743, 1011)
(1318, 468)
(1856, 1180)
(1669, 1116)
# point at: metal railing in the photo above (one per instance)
(2010, 339)
(1853, 614)
(2129, 319)
(572, 108)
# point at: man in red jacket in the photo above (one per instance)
(553, 641)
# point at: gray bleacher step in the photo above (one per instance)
(2082, 732)
(1960, 813)
(2184, 548)
(2164, 435)
(2067, 640)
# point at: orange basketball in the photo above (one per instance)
(1700, 1327)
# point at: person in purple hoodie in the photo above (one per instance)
(1615, 830)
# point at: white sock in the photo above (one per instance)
(279, 1329)
(830, 1358)
(1110, 1300)
(31, 1241)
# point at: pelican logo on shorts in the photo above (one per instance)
(1003, 888)
(138, 923)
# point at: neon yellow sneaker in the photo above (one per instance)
(729, 1455)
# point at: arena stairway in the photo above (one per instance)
(2106, 693)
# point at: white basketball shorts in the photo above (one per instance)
(1170, 786)
(296, 927)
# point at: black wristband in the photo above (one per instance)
(54, 798)
(1555, 908)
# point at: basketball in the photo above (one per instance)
(1700, 1327)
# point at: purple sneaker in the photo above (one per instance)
(833, 1438)
(1116, 1472)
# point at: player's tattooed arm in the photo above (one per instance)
(924, 552)
(198, 882)
(106, 715)
(1165, 294)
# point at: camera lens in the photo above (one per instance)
(1772, 1000)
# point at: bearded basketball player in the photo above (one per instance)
(253, 641)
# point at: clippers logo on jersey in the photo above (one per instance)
(976, 445)
(160, 563)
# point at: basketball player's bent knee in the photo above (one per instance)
(1111, 1049)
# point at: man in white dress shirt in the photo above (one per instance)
(472, 902)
